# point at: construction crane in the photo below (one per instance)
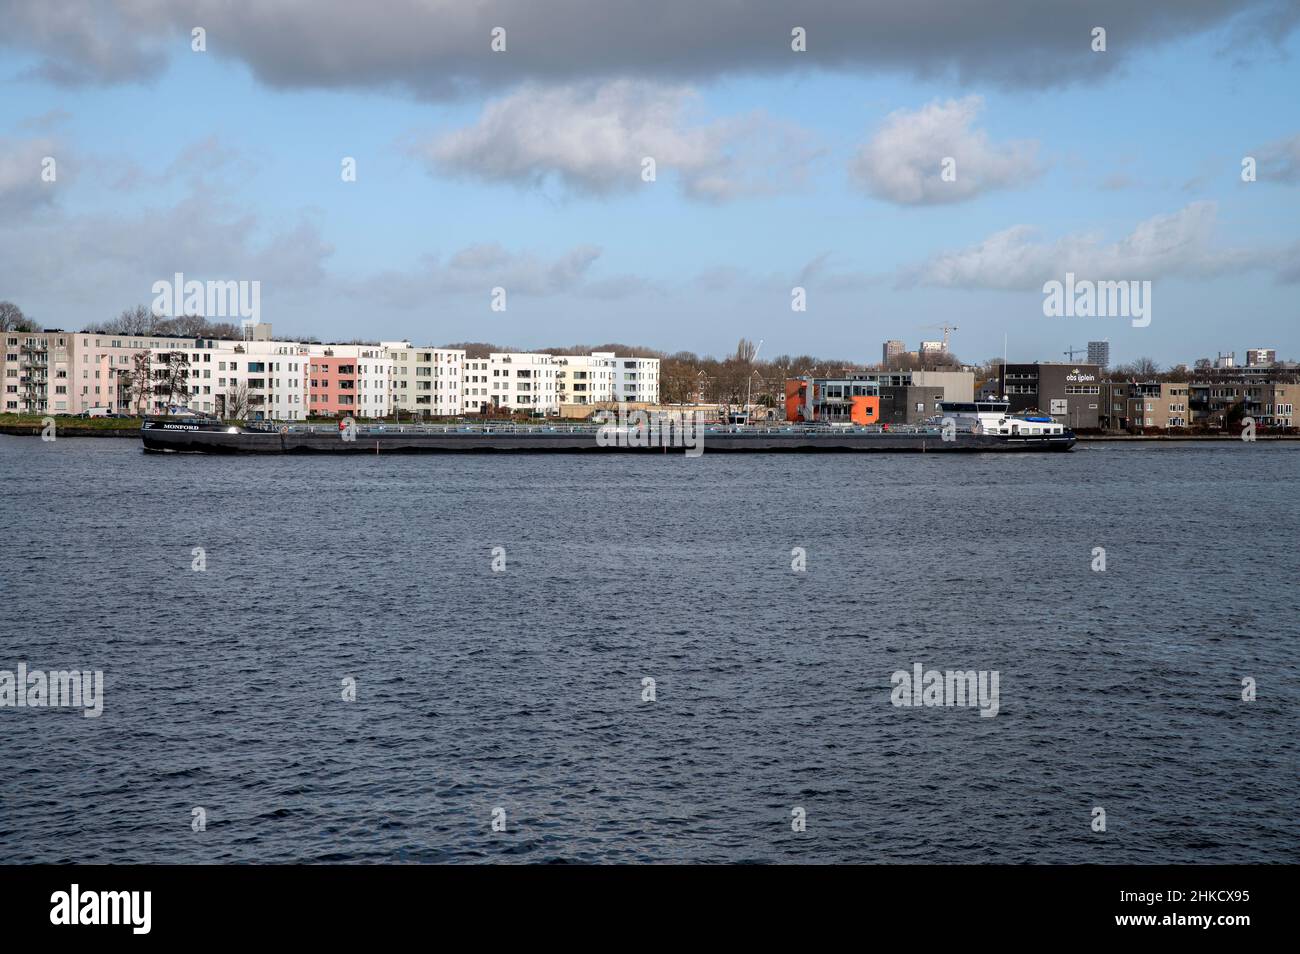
(945, 328)
(1071, 352)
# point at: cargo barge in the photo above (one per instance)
(985, 428)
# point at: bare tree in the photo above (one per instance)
(745, 351)
(237, 403)
(173, 379)
(190, 326)
(1143, 369)
(1146, 368)
(678, 378)
(13, 319)
(141, 385)
(223, 329)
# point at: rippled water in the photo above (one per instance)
(522, 689)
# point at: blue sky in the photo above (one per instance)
(203, 165)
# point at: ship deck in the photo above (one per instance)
(163, 435)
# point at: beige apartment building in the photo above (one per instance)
(1270, 403)
(62, 372)
(586, 378)
(38, 372)
(1159, 404)
(1279, 409)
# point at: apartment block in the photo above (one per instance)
(268, 378)
(475, 392)
(349, 380)
(586, 379)
(1260, 357)
(1270, 403)
(1158, 404)
(522, 381)
(104, 369)
(426, 381)
(637, 379)
(1279, 408)
(37, 372)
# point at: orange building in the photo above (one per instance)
(832, 400)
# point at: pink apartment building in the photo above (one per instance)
(332, 386)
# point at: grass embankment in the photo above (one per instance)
(69, 425)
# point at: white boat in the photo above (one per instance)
(994, 417)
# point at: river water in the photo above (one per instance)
(518, 694)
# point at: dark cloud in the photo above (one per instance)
(441, 49)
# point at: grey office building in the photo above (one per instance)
(1099, 354)
(1070, 393)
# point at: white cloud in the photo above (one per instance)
(21, 185)
(593, 139)
(1015, 258)
(902, 162)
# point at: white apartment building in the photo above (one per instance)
(637, 380)
(474, 385)
(426, 381)
(374, 376)
(585, 378)
(272, 374)
(522, 381)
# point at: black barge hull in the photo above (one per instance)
(167, 437)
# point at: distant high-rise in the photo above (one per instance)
(1099, 353)
(891, 349)
(932, 347)
(1228, 360)
(1260, 357)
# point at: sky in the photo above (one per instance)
(774, 169)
